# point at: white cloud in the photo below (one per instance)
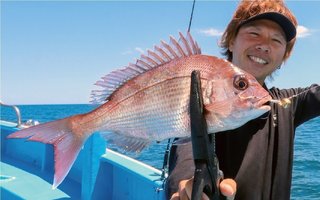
(140, 50)
(211, 32)
(303, 31)
(129, 52)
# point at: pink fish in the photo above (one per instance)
(149, 101)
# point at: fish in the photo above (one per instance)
(149, 101)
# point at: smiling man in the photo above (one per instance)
(259, 48)
(257, 157)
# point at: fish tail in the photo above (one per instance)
(64, 135)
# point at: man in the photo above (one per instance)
(257, 156)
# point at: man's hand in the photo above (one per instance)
(228, 188)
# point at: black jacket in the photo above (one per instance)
(258, 155)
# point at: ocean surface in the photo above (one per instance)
(306, 169)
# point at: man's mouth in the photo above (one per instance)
(258, 60)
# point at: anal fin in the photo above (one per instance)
(125, 143)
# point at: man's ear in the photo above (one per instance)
(231, 45)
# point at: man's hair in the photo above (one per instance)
(249, 8)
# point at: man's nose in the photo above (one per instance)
(263, 47)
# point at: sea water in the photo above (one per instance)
(306, 168)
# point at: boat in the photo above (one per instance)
(27, 170)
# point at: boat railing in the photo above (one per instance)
(17, 111)
(19, 122)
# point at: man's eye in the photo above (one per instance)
(254, 33)
(278, 41)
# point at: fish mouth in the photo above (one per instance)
(263, 103)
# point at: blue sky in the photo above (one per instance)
(52, 52)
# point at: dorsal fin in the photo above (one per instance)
(161, 55)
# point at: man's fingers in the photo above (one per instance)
(228, 188)
(183, 190)
(188, 187)
(175, 196)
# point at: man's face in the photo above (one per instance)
(259, 48)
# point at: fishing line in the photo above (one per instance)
(190, 21)
(286, 101)
(295, 95)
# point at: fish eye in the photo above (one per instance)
(240, 82)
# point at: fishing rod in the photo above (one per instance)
(191, 16)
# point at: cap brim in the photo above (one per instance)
(287, 26)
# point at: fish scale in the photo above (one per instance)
(160, 111)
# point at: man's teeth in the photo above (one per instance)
(258, 60)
